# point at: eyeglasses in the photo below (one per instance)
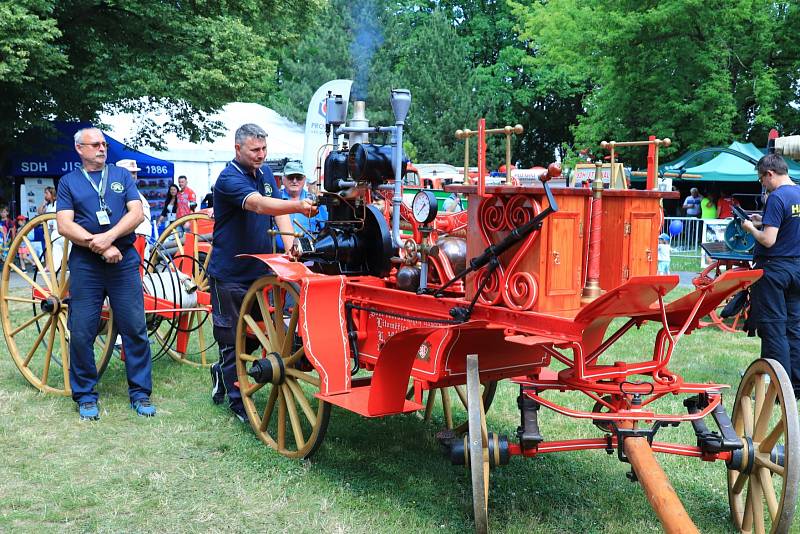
(295, 178)
(95, 145)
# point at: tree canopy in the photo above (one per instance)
(572, 72)
(73, 59)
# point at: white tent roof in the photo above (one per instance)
(285, 137)
(202, 162)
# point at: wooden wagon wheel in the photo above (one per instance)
(455, 413)
(33, 310)
(478, 447)
(185, 246)
(763, 477)
(278, 385)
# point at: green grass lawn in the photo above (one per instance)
(194, 468)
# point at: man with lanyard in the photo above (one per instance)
(775, 297)
(246, 200)
(98, 208)
(294, 188)
(187, 200)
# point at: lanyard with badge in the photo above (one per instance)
(105, 212)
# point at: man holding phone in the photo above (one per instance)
(775, 297)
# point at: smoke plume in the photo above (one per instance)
(367, 38)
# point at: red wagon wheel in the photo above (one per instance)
(763, 476)
(278, 385)
(184, 246)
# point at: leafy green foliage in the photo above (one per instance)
(74, 59)
(702, 73)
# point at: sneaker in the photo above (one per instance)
(144, 407)
(239, 412)
(217, 384)
(89, 411)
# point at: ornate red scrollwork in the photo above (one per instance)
(517, 289)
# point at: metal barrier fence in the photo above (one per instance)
(686, 243)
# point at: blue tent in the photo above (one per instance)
(56, 156)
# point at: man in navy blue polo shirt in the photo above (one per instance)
(775, 304)
(246, 200)
(98, 208)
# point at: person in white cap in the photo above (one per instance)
(146, 227)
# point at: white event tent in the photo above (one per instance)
(202, 162)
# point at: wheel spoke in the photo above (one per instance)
(252, 388)
(738, 485)
(268, 409)
(756, 497)
(201, 340)
(281, 420)
(303, 402)
(772, 438)
(294, 419)
(762, 459)
(256, 330)
(305, 377)
(461, 395)
(28, 279)
(295, 357)
(51, 341)
(62, 338)
(25, 300)
(747, 414)
(37, 342)
(429, 404)
(769, 492)
(269, 321)
(248, 357)
(763, 416)
(761, 388)
(45, 274)
(48, 255)
(277, 315)
(448, 413)
(27, 323)
(288, 340)
(62, 274)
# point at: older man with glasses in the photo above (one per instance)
(294, 188)
(97, 209)
(775, 304)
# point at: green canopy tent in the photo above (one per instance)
(732, 164)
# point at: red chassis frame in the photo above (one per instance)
(402, 335)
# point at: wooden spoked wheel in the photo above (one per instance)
(478, 447)
(33, 309)
(280, 400)
(763, 477)
(185, 247)
(453, 402)
(188, 237)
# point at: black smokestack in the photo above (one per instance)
(367, 38)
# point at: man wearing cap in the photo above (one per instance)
(294, 188)
(98, 207)
(146, 228)
(246, 201)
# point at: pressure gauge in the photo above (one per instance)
(424, 207)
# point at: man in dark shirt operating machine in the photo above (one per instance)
(775, 304)
(246, 199)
